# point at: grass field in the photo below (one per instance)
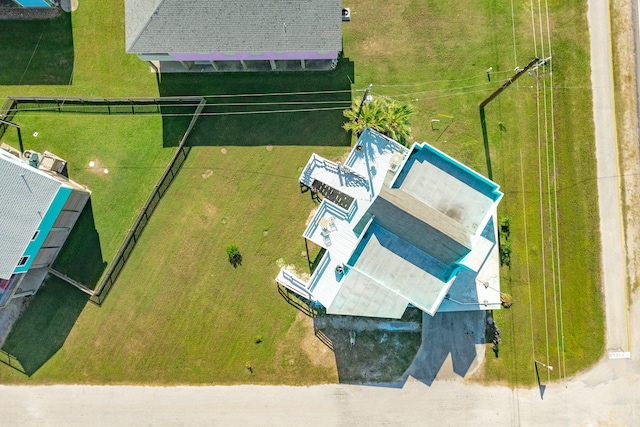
(129, 147)
(181, 314)
(554, 274)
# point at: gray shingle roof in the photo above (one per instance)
(205, 26)
(25, 196)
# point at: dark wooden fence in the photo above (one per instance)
(193, 105)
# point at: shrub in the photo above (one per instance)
(505, 226)
(235, 258)
(505, 254)
(506, 300)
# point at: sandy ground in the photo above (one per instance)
(625, 56)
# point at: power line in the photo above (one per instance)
(526, 246)
(475, 76)
(230, 95)
(542, 243)
(555, 187)
(226, 113)
(533, 27)
(513, 32)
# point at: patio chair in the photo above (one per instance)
(332, 224)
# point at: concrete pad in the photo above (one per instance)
(452, 346)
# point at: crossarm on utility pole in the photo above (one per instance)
(508, 83)
(483, 122)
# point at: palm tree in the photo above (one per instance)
(397, 121)
(389, 117)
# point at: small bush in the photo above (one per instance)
(505, 226)
(235, 258)
(505, 254)
(257, 339)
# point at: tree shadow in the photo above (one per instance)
(251, 109)
(37, 52)
(235, 260)
(81, 256)
(371, 351)
(45, 324)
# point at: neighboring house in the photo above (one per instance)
(400, 227)
(240, 35)
(35, 3)
(39, 206)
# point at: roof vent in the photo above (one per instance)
(346, 14)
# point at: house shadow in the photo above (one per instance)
(43, 327)
(448, 347)
(37, 52)
(261, 108)
(371, 351)
(81, 256)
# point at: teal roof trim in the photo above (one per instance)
(450, 165)
(45, 227)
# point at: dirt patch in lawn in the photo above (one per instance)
(97, 167)
(370, 351)
(318, 352)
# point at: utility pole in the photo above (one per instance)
(550, 368)
(364, 98)
(519, 72)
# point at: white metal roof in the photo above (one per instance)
(380, 260)
(25, 196)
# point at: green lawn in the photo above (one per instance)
(436, 55)
(184, 314)
(78, 54)
(180, 313)
(129, 147)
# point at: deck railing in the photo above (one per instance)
(293, 283)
